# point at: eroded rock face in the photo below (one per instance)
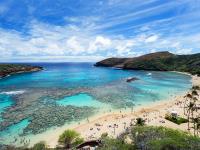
(8, 69)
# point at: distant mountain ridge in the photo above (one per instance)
(159, 61)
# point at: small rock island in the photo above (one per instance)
(130, 79)
(9, 69)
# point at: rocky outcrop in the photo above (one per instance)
(130, 79)
(8, 69)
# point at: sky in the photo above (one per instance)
(91, 30)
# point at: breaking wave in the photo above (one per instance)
(13, 92)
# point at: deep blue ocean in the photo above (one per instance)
(92, 86)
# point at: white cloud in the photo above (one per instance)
(45, 41)
(100, 43)
(145, 28)
(124, 47)
(152, 38)
(184, 51)
(74, 46)
(86, 58)
(153, 50)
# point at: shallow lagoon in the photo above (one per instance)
(73, 88)
(80, 100)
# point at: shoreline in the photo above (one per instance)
(104, 122)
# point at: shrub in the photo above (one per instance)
(39, 146)
(70, 138)
(114, 144)
(103, 135)
(140, 122)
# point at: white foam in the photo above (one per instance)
(149, 74)
(13, 92)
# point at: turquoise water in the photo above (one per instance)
(79, 85)
(80, 100)
(9, 135)
(5, 102)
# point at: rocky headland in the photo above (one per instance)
(159, 61)
(9, 69)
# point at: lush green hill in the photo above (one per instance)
(160, 61)
(152, 138)
(8, 69)
(137, 138)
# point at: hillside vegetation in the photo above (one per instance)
(138, 138)
(152, 138)
(8, 69)
(160, 61)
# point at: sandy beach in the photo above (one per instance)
(115, 123)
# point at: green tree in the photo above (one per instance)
(190, 107)
(195, 88)
(69, 139)
(188, 97)
(195, 121)
(140, 121)
(198, 127)
(195, 93)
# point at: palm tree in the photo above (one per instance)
(196, 88)
(198, 127)
(188, 96)
(69, 139)
(194, 93)
(124, 125)
(194, 106)
(140, 121)
(195, 121)
(190, 107)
